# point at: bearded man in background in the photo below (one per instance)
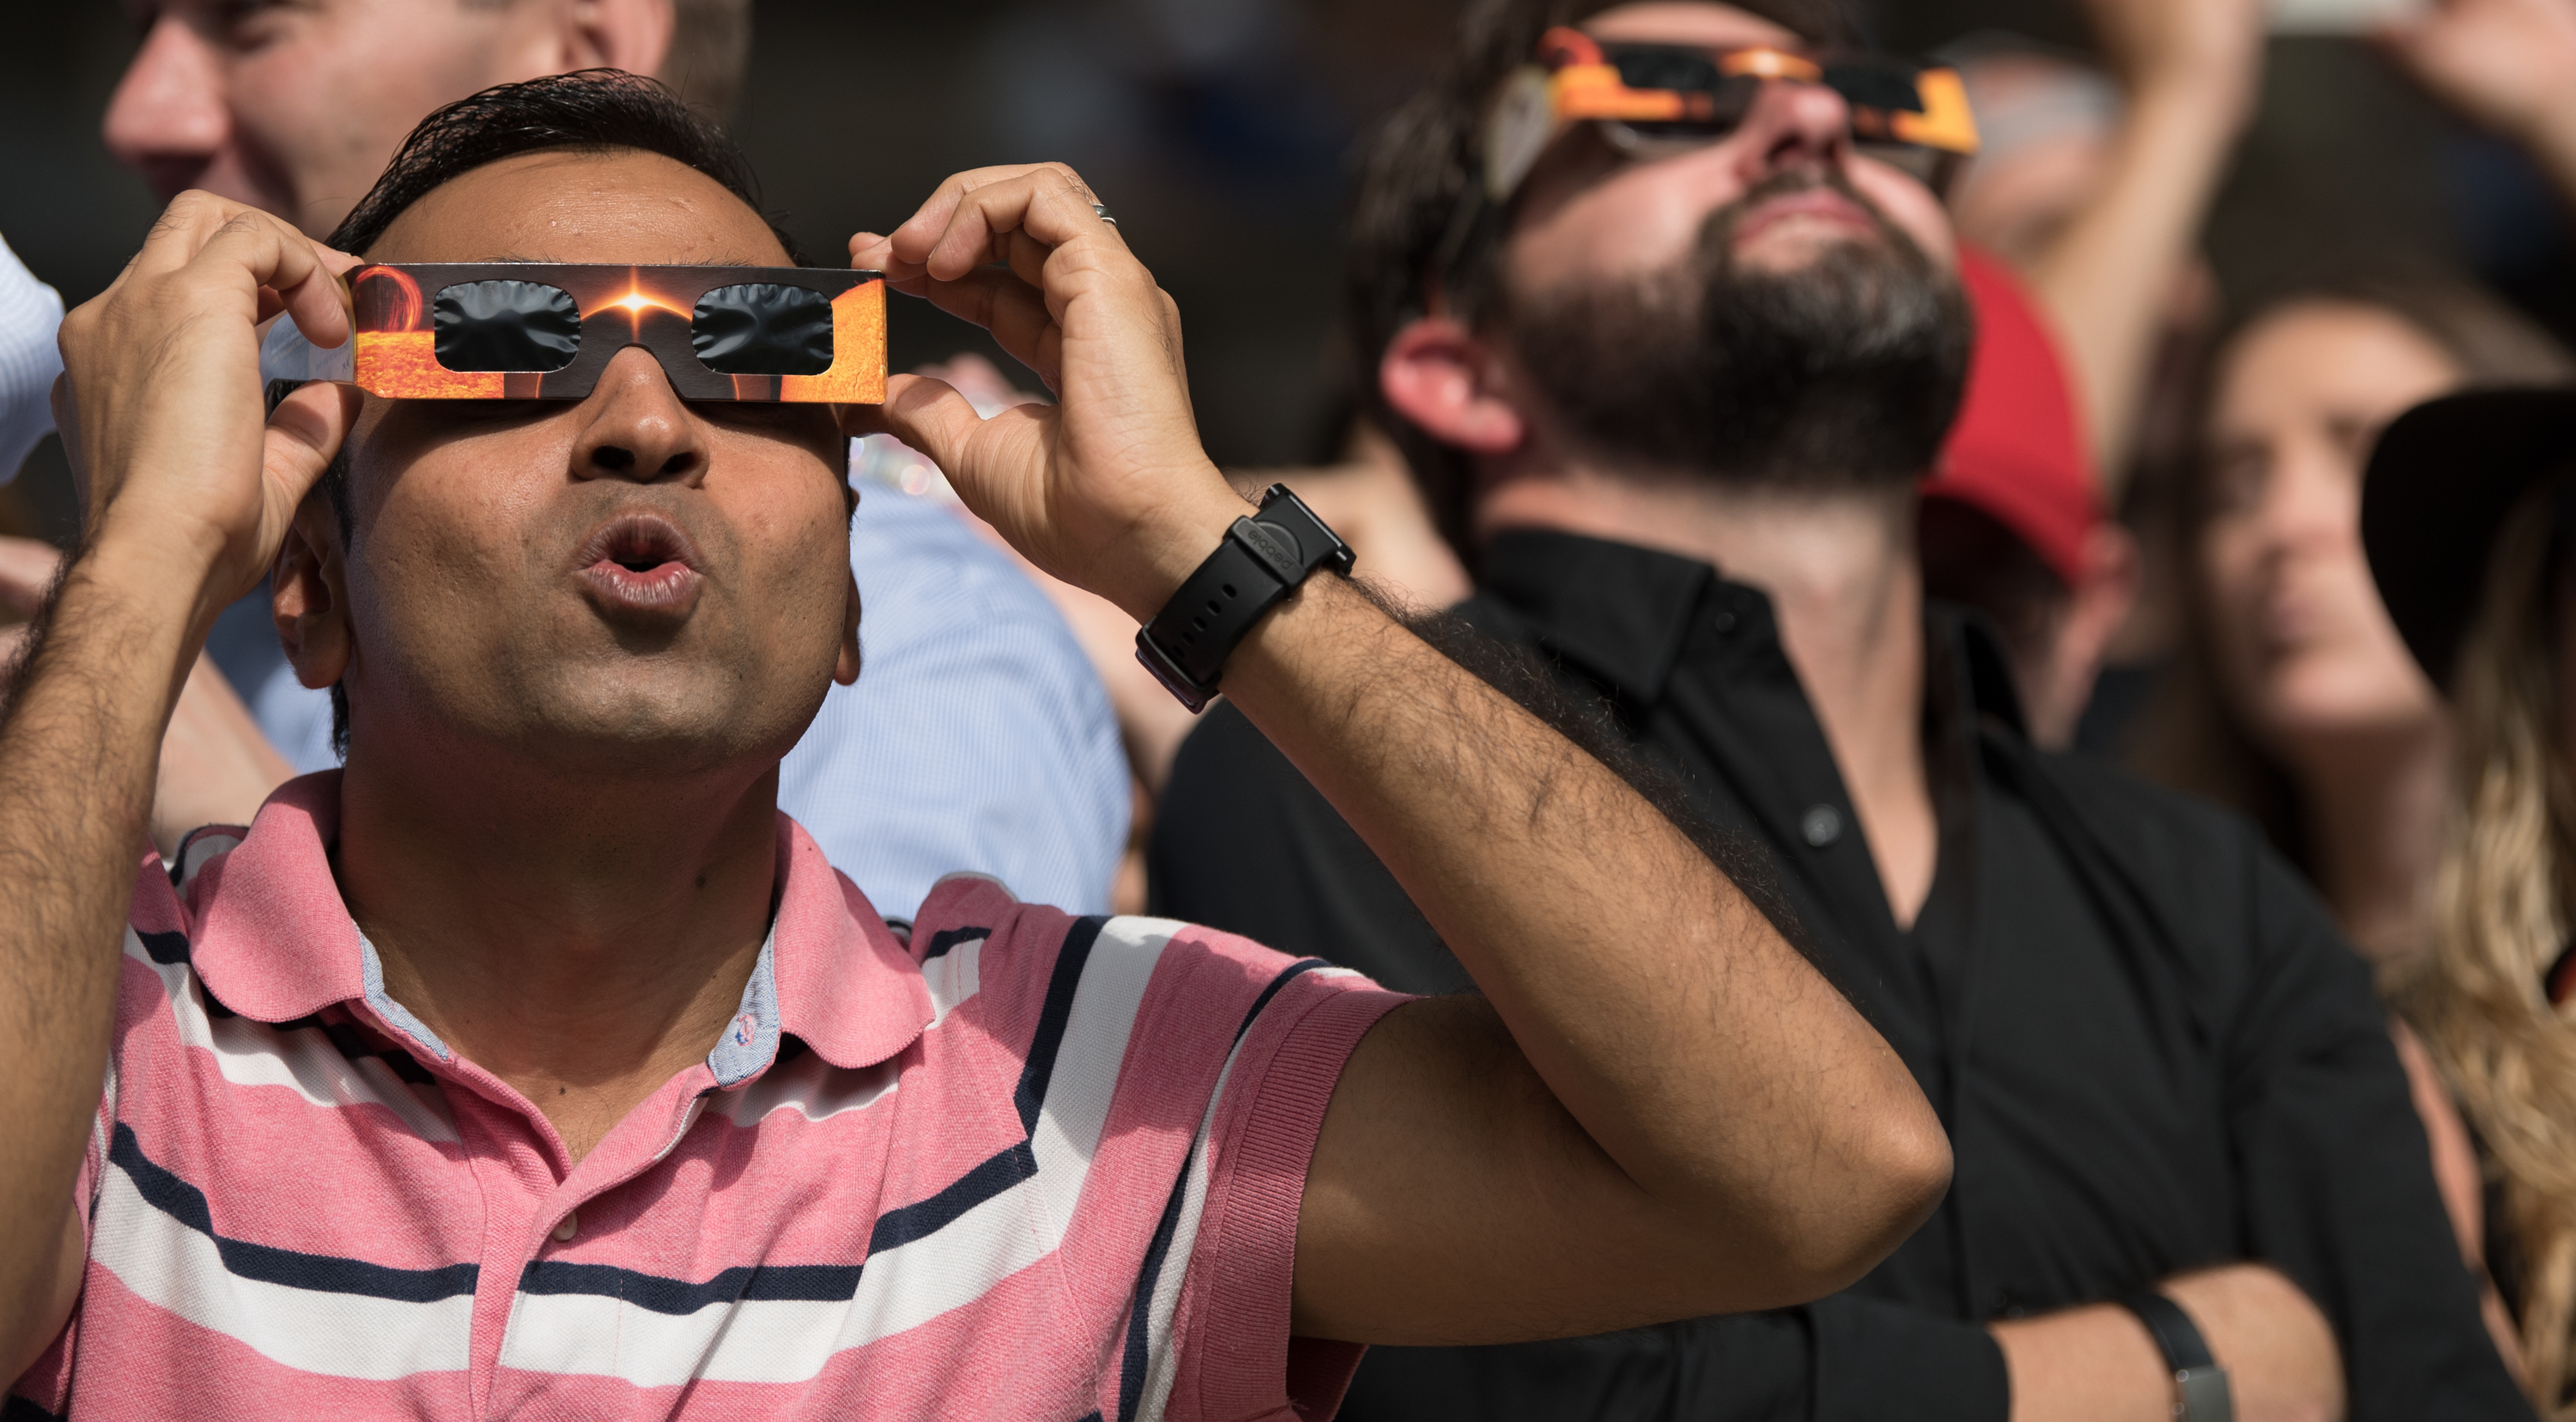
(1672, 396)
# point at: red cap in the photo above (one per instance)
(2017, 453)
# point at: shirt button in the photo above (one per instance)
(1821, 826)
(1726, 622)
(568, 1227)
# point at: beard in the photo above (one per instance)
(1843, 373)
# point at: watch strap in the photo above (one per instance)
(2201, 1393)
(1263, 558)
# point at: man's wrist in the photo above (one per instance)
(2201, 1389)
(154, 572)
(1173, 546)
(2092, 1361)
(1262, 561)
(1309, 643)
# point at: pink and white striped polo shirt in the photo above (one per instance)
(1029, 1166)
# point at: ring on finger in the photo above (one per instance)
(1102, 208)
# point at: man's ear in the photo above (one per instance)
(1452, 386)
(845, 670)
(633, 35)
(308, 595)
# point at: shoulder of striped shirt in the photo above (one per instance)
(924, 1259)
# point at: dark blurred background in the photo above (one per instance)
(1220, 131)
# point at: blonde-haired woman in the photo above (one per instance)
(2469, 519)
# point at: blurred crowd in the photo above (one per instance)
(2149, 704)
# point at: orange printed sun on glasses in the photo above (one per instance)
(545, 330)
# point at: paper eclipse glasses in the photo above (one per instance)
(545, 330)
(1653, 96)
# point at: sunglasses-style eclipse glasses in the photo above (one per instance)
(1656, 98)
(545, 330)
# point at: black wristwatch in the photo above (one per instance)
(1262, 560)
(2200, 1386)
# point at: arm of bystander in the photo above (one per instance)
(2507, 65)
(215, 766)
(2191, 71)
(189, 494)
(1657, 1100)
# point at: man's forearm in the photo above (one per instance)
(2091, 1364)
(2099, 1364)
(1696, 1047)
(78, 745)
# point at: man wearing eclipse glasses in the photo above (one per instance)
(1670, 343)
(293, 109)
(536, 1064)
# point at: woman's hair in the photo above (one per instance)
(2508, 861)
(2191, 739)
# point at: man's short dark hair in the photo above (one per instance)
(587, 111)
(1419, 168)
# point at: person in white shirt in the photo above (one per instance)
(29, 312)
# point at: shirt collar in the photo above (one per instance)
(1981, 662)
(273, 941)
(1621, 611)
(1625, 614)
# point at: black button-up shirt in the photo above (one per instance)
(2150, 1047)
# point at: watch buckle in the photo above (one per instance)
(1169, 673)
(2202, 1395)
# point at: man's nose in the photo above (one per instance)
(637, 428)
(2314, 501)
(168, 119)
(1792, 126)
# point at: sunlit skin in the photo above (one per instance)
(2306, 653)
(293, 106)
(1842, 577)
(1589, 216)
(634, 602)
(585, 929)
(1588, 213)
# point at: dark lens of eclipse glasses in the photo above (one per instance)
(755, 328)
(1886, 85)
(505, 325)
(762, 328)
(1686, 71)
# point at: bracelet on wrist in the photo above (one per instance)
(1262, 559)
(2201, 1393)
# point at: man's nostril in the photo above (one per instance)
(680, 463)
(612, 458)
